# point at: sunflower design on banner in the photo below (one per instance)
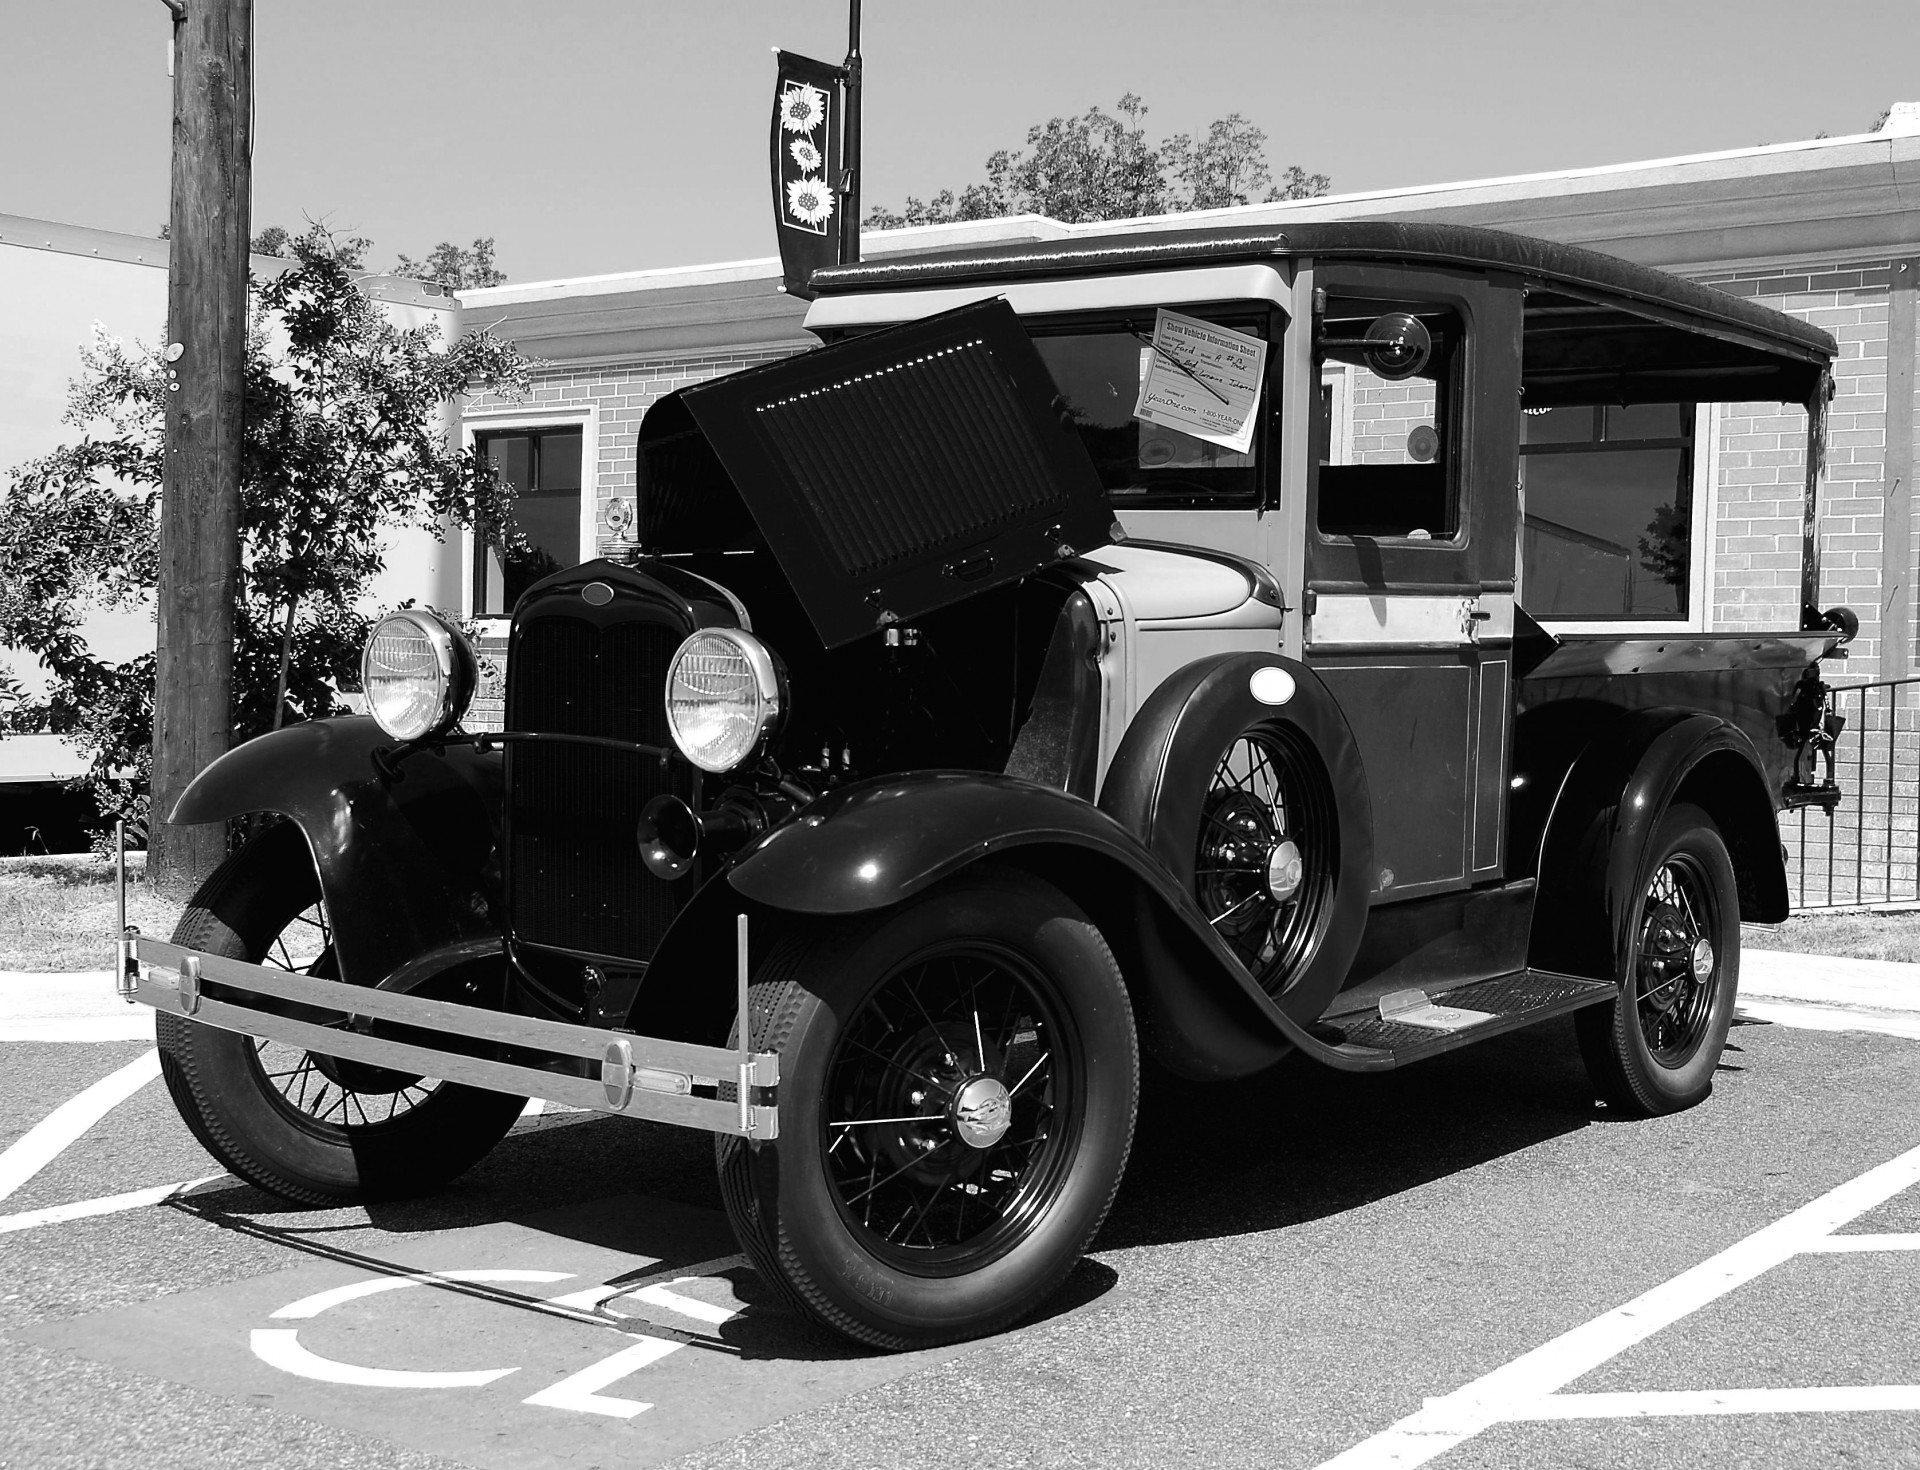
(806, 166)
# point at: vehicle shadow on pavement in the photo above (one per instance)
(1301, 1142)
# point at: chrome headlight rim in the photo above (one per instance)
(770, 691)
(456, 668)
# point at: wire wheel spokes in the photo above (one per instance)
(323, 1089)
(1676, 966)
(948, 1104)
(1268, 843)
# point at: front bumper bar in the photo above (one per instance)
(580, 1066)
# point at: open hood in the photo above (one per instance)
(890, 475)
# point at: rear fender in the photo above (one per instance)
(1604, 819)
(879, 843)
(403, 858)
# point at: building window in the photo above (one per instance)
(543, 467)
(1608, 531)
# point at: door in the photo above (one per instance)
(1410, 557)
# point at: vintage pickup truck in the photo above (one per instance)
(1227, 645)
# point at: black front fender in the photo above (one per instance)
(881, 842)
(401, 857)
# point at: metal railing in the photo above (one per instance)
(1867, 850)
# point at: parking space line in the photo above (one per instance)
(1890, 1398)
(1520, 1389)
(41, 1144)
(111, 1204)
(1843, 1244)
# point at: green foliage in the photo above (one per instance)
(342, 439)
(456, 269)
(1101, 166)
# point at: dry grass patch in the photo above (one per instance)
(57, 913)
(1852, 936)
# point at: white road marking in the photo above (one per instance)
(1518, 1389)
(1891, 1398)
(581, 1391)
(41, 1144)
(664, 1295)
(1841, 1244)
(111, 1204)
(1830, 1018)
(279, 1347)
(320, 1301)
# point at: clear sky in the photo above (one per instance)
(590, 136)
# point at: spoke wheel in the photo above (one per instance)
(310, 1086)
(953, 1086)
(1655, 1048)
(306, 1126)
(1268, 853)
(947, 1146)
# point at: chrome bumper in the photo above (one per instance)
(634, 1076)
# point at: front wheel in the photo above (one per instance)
(1654, 1049)
(959, 1077)
(310, 1128)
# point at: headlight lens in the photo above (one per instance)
(418, 673)
(723, 696)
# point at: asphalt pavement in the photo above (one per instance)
(1467, 1264)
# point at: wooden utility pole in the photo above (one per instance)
(200, 488)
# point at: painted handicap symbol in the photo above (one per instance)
(580, 1392)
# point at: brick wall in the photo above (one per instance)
(1762, 465)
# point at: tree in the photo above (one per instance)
(1101, 166)
(341, 440)
(455, 268)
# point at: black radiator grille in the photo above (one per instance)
(948, 425)
(574, 875)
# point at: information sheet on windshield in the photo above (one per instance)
(1203, 380)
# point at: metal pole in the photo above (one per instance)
(850, 143)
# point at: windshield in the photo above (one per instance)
(1099, 370)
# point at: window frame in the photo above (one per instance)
(1702, 518)
(525, 419)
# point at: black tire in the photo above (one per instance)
(1654, 1049)
(990, 989)
(267, 1111)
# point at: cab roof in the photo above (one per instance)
(1569, 267)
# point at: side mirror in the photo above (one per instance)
(1397, 345)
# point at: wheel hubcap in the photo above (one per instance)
(1285, 869)
(982, 1112)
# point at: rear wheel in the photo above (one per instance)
(1654, 1049)
(300, 1124)
(959, 1078)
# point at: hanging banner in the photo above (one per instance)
(806, 164)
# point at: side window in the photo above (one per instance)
(1389, 422)
(1099, 370)
(1609, 511)
(543, 467)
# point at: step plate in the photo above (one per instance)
(1512, 1001)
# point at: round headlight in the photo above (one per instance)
(418, 673)
(723, 696)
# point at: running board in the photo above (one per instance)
(1410, 1026)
